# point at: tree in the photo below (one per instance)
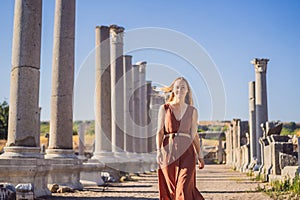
(4, 110)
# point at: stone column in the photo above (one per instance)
(143, 106)
(136, 109)
(128, 128)
(220, 150)
(235, 140)
(117, 89)
(156, 101)
(81, 145)
(24, 119)
(150, 135)
(103, 144)
(261, 107)
(252, 126)
(61, 121)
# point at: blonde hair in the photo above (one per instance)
(168, 89)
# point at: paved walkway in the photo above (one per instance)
(216, 182)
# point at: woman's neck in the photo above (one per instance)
(179, 102)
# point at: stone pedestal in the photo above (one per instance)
(103, 125)
(261, 107)
(65, 171)
(26, 170)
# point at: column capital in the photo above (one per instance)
(116, 33)
(260, 65)
(102, 27)
(142, 66)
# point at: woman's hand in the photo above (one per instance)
(201, 163)
(159, 157)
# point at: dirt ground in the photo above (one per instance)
(216, 182)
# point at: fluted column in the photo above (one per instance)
(261, 107)
(117, 88)
(252, 127)
(128, 89)
(23, 126)
(103, 144)
(61, 121)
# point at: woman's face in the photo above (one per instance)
(180, 89)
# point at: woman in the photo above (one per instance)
(178, 145)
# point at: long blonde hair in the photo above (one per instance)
(168, 89)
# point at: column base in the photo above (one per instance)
(60, 154)
(21, 152)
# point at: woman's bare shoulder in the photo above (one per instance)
(193, 108)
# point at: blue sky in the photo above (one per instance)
(231, 32)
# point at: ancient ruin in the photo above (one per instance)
(126, 109)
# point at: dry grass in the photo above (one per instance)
(2, 144)
(207, 142)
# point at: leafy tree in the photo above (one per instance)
(4, 110)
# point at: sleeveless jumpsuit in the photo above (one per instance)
(177, 173)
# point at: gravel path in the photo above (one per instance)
(215, 182)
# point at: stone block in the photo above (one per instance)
(90, 173)
(25, 196)
(287, 160)
(289, 171)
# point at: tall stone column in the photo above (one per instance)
(150, 135)
(252, 126)
(117, 89)
(136, 109)
(103, 144)
(61, 121)
(23, 125)
(22, 161)
(128, 90)
(143, 107)
(81, 142)
(261, 107)
(156, 101)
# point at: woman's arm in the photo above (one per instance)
(160, 127)
(196, 140)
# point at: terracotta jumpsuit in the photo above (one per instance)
(177, 173)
